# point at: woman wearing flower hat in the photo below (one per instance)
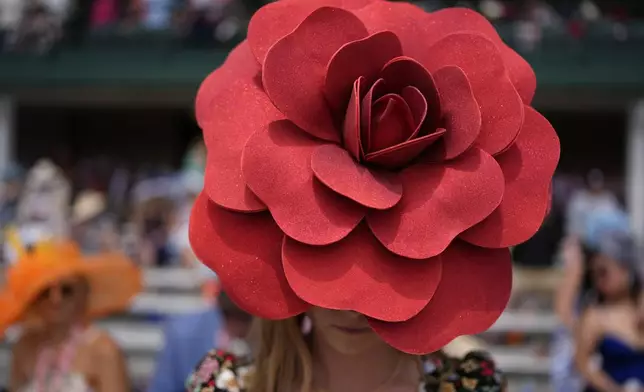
(54, 293)
(369, 165)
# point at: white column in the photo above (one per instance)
(635, 169)
(7, 124)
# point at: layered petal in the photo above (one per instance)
(245, 252)
(474, 290)
(277, 167)
(293, 72)
(417, 105)
(452, 20)
(402, 72)
(439, 202)
(528, 167)
(225, 136)
(362, 58)
(407, 21)
(240, 64)
(461, 115)
(334, 167)
(375, 91)
(359, 274)
(500, 104)
(351, 128)
(277, 19)
(398, 156)
(392, 122)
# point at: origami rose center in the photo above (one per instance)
(394, 116)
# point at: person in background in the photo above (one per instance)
(192, 181)
(12, 180)
(54, 293)
(576, 291)
(10, 15)
(44, 203)
(189, 337)
(585, 202)
(563, 374)
(609, 325)
(92, 227)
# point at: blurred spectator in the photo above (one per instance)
(568, 298)
(154, 219)
(92, 226)
(587, 201)
(12, 180)
(10, 16)
(104, 13)
(45, 201)
(40, 27)
(158, 14)
(189, 337)
(193, 183)
(609, 326)
(60, 292)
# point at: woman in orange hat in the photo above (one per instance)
(54, 293)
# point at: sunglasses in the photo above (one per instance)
(65, 290)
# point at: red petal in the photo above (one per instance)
(240, 64)
(500, 104)
(418, 106)
(374, 93)
(336, 169)
(364, 57)
(439, 202)
(277, 19)
(452, 20)
(293, 73)
(474, 290)
(277, 168)
(400, 155)
(358, 274)
(245, 252)
(404, 71)
(393, 123)
(225, 136)
(528, 167)
(236, 196)
(461, 114)
(407, 21)
(351, 129)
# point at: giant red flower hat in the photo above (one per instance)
(366, 155)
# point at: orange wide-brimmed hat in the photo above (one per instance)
(113, 279)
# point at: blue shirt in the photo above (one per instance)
(188, 338)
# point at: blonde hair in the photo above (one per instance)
(283, 360)
(283, 357)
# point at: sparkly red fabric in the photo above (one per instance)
(366, 155)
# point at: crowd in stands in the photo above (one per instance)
(39, 25)
(144, 213)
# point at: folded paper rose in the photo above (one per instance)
(369, 156)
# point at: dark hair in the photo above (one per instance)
(589, 293)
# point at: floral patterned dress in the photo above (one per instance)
(220, 371)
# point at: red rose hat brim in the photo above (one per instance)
(369, 156)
